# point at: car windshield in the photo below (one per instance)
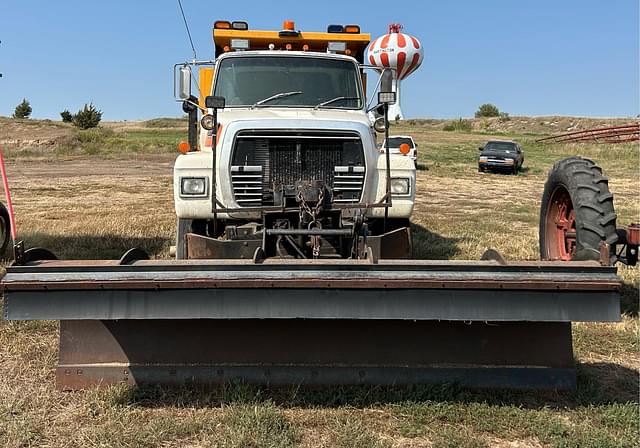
(395, 142)
(246, 81)
(500, 146)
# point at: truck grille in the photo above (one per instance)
(268, 161)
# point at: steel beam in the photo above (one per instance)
(546, 292)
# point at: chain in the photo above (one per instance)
(314, 224)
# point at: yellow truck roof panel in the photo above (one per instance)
(356, 43)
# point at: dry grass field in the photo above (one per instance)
(97, 193)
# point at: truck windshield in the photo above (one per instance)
(500, 146)
(245, 81)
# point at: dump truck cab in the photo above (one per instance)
(293, 151)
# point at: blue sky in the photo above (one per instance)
(573, 57)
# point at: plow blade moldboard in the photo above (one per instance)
(314, 322)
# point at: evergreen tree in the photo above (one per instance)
(87, 117)
(67, 117)
(487, 110)
(23, 110)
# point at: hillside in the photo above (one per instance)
(44, 136)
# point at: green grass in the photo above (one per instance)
(109, 143)
(257, 426)
(166, 123)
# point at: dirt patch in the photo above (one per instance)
(33, 133)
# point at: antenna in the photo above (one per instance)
(186, 25)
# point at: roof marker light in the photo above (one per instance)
(239, 25)
(222, 24)
(335, 29)
(352, 29)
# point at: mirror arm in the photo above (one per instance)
(388, 164)
(191, 108)
(214, 185)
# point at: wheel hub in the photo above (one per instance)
(561, 238)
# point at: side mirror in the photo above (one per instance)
(214, 102)
(480, 148)
(184, 87)
(386, 94)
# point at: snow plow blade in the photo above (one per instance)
(280, 322)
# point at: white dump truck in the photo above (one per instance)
(284, 161)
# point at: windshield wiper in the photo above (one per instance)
(275, 97)
(333, 100)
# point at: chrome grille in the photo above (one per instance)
(281, 159)
(347, 183)
(247, 185)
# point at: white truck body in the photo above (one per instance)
(198, 164)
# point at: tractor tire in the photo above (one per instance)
(577, 213)
(5, 230)
(183, 227)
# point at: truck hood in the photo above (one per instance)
(299, 114)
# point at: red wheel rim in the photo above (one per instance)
(560, 226)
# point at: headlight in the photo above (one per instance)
(193, 186)
(400, 185)
(509, 161)
(484, 159)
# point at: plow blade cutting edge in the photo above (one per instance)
(482, 324)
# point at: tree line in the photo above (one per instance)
(87, 117)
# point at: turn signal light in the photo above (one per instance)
(404, 149)
(184, 147)
(222, 24)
